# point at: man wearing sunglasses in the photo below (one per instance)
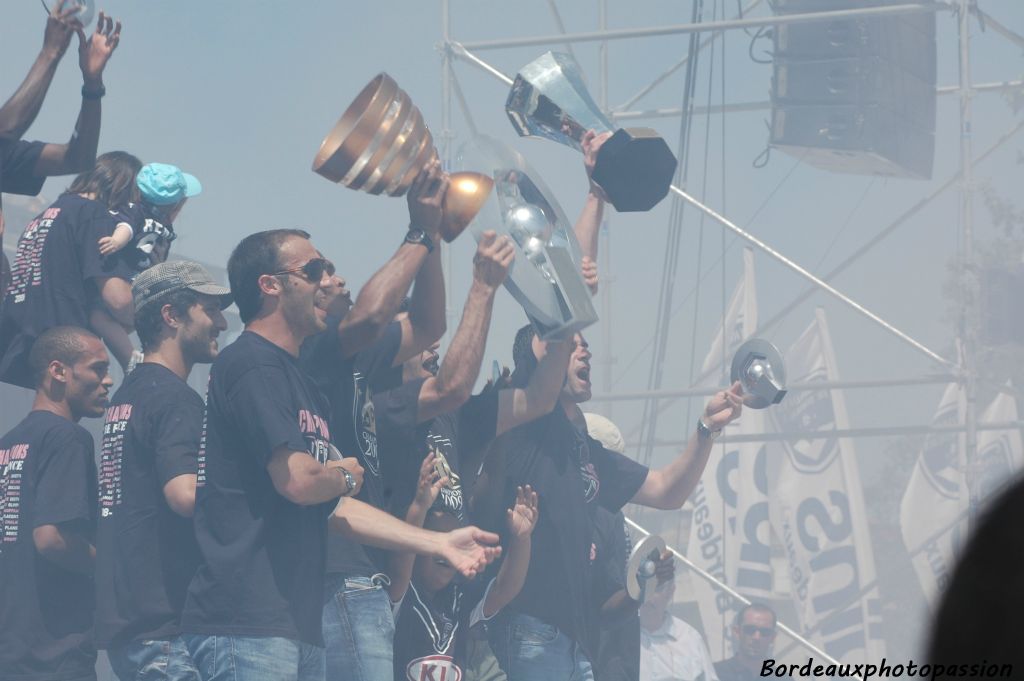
(753, 636)
(269, 473)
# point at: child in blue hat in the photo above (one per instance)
(147, 227)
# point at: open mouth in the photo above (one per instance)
(583, 373)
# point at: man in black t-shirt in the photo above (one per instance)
(571, 472)
(24, 166)
(146, 550)
(753, 635)
(269, 472)
(48, 507)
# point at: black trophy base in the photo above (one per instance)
(635, 169)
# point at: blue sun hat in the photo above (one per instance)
(162, 184)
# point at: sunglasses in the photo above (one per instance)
(313, 270)
(766, 632)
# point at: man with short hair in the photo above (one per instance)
(671, 649)
(48, 507)
(269, 473)
(146, 550)
(753, 635)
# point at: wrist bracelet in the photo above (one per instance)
(93, 94)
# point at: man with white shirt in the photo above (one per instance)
(670, 649)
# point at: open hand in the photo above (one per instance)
(724, 407)
(522, 517)
(429, 485)
(469, 550)
(494, 255)
(94, 52)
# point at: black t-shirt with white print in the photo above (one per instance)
(261, 569)
(146, 554)
(349, 384)
(458, 440)
(571, 473)
(47, 477)
(53, 278)
(430, 632)
(17, 176)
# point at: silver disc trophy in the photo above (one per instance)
(84, 9)
(758, 366)
(545, 276)
(642, 565)
(548, 99)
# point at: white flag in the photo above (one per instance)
(729, 532)
(817, 510)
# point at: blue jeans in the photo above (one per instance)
(359, 629)
(154, 660)
(529, 649)
(241, 658)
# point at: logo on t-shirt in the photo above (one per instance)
(591, 483)
(115, 425)
(365, 422)
(433, 668)
(12, 467)
(317, 435)
(28, 264)
(450, 496)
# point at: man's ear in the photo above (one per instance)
(58, 371)
(270, 285)
(170, 316)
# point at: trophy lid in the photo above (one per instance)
(639, 568)
(759, 367)
(86, 8)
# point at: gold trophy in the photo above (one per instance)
(381, 143)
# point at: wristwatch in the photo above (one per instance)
(416, 235)
(349, 480)
(704, 432)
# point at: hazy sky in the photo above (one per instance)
(241, 93)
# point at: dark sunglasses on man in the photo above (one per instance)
(313, 270)
(766, 632)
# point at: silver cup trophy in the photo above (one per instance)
(545, 276)
(759, 368)
(548, 99)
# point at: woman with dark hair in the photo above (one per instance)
(59, 273)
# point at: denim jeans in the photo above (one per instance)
(359, 629)
(529, 649)
(241, 658)
(155, 660)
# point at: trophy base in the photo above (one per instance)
(635, 168)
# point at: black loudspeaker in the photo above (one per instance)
(855, 95)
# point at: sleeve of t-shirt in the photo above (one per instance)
(18, 173)
(477, 615)
(477, 428)
(620, 476)
(399, 406)
(177, 430)
(260, 401)
(100, 223)
(65, 486)
(375, 361)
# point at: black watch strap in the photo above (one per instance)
(415, 235)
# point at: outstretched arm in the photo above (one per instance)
(379, 299)
(18, 113)
(588, 224)
(453, 384)
(668, 488)
(402, 562)
(539, 397)
(80, 152)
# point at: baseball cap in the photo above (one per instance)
(162, 184)
(161, 280)
(604, 431)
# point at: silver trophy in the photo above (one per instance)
(548, 99)
(759, 368)
(84, 9)
(545, 276)
(642, 565)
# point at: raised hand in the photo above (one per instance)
(95, 52)
(522, 517)
(591, 144)
(469, 550)
(429, 485)
(61, 24)
(494, 255)
(425, 198)
(724, 407)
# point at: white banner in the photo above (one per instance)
(730, 532)
(934, 509)
(817, 510)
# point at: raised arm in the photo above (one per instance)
(79, 153)
(402, 562)
(588, 225)
(522, 405)
(454, 382)
(19, 112)
(522, 518)
(380, 298)
(668, 488)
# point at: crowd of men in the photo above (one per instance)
(340, 505)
